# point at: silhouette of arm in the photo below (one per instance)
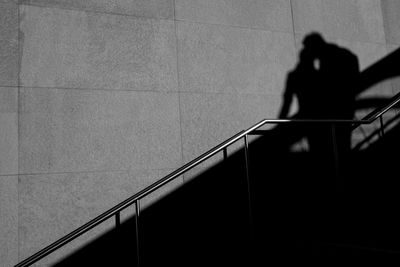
(287, 98)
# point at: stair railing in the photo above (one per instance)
(222, 147)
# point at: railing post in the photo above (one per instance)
(225, 151)
(247, 165)
(137, 225)
(117, 219)
(381, 132)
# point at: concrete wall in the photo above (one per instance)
(100, 98)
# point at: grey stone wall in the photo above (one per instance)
(99, 98)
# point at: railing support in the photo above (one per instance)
(117, 219)
(137, 225)
(381, 132)
(248, 182)
(225, 152)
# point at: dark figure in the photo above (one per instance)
(325, 85)
(324, 81)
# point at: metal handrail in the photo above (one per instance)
(379, 132)
(114, 211)
(380, 111)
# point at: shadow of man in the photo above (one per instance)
(324, 83)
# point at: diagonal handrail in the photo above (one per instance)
(380, 111)
(377, 132)
(114, 211)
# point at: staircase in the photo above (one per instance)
(263, 203)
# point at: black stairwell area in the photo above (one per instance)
(267, 204)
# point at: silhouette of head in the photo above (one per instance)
(313, 46)
(314, 41)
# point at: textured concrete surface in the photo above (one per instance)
(222, 59)
(268, 15)
(357, 20)
(100, 113)
(51, 206)
(209, 119)
(8, 220)
(391, 20)
(395, 81)
(85, 130)
(8, 131)
(8, 44)
(75, 49)
(144, 8)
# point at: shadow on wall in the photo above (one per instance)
(206, 221)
